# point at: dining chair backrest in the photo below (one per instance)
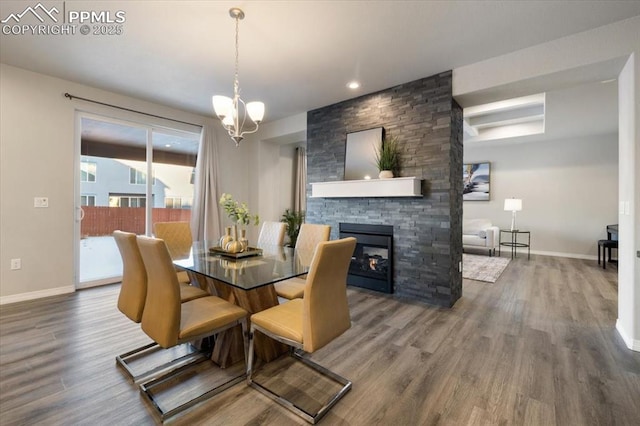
(310, 235)
(177, 236)
(161, 316)
(133, 291)
(326, 310)
(271, 234)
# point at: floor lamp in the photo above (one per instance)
(513, 205)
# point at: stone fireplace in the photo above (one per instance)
(427, 229)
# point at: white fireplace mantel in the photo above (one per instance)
(396, 187)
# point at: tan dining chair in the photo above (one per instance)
(178, 238)
(308, 238)
(132, 297)
(271, 234)
(169, 322)
(312, 322)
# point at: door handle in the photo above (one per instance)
(81, 211)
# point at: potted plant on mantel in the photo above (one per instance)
(388, 158)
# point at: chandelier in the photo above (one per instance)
(233, 112)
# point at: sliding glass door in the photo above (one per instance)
(131, 175)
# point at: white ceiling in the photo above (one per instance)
(572, 112)
(294, 55)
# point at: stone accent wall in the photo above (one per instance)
(428, 230)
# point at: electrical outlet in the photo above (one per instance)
(16, 264)
(40, 202)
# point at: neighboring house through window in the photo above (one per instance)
(88, 200)
(177, 202)
(127, 201)
(173, 202)
(137, 177)
(88, 171)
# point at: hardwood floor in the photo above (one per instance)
(538, 347)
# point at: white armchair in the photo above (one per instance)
(480, 234)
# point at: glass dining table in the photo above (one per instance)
(247, 282)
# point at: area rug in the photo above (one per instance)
(483, 268)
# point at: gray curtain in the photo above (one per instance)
(205, 219)
(300, 190)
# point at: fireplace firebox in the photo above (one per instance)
(372, 262)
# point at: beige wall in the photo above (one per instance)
(569, 190)
(275, 164)
(37, 159)
(259, 171)
(236, 172)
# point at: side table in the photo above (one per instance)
(514, 243)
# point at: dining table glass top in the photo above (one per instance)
(275, 264)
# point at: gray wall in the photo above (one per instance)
(427, 230)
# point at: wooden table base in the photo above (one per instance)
(229, 348)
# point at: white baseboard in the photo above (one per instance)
(632, 344)
(560, 254)
(32, 295)
(98, 283)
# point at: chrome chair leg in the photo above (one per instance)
(312, 418)
(146, 388)
(123, 361)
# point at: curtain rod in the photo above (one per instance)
(71, 97)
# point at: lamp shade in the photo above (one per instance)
(255, 111)
(222, 105)
(513, 204)
(228, 120)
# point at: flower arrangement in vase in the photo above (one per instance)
(240, 215)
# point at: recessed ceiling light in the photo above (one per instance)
(168, 145)
(353, 85)
(611, 80)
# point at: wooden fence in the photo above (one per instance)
(100, 221)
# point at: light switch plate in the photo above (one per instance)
(40, 202)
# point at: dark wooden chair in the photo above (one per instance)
(606, 244)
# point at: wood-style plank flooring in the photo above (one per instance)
(538, 347)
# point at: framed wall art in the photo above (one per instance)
(476, 180)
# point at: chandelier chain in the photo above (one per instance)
(236, 84)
